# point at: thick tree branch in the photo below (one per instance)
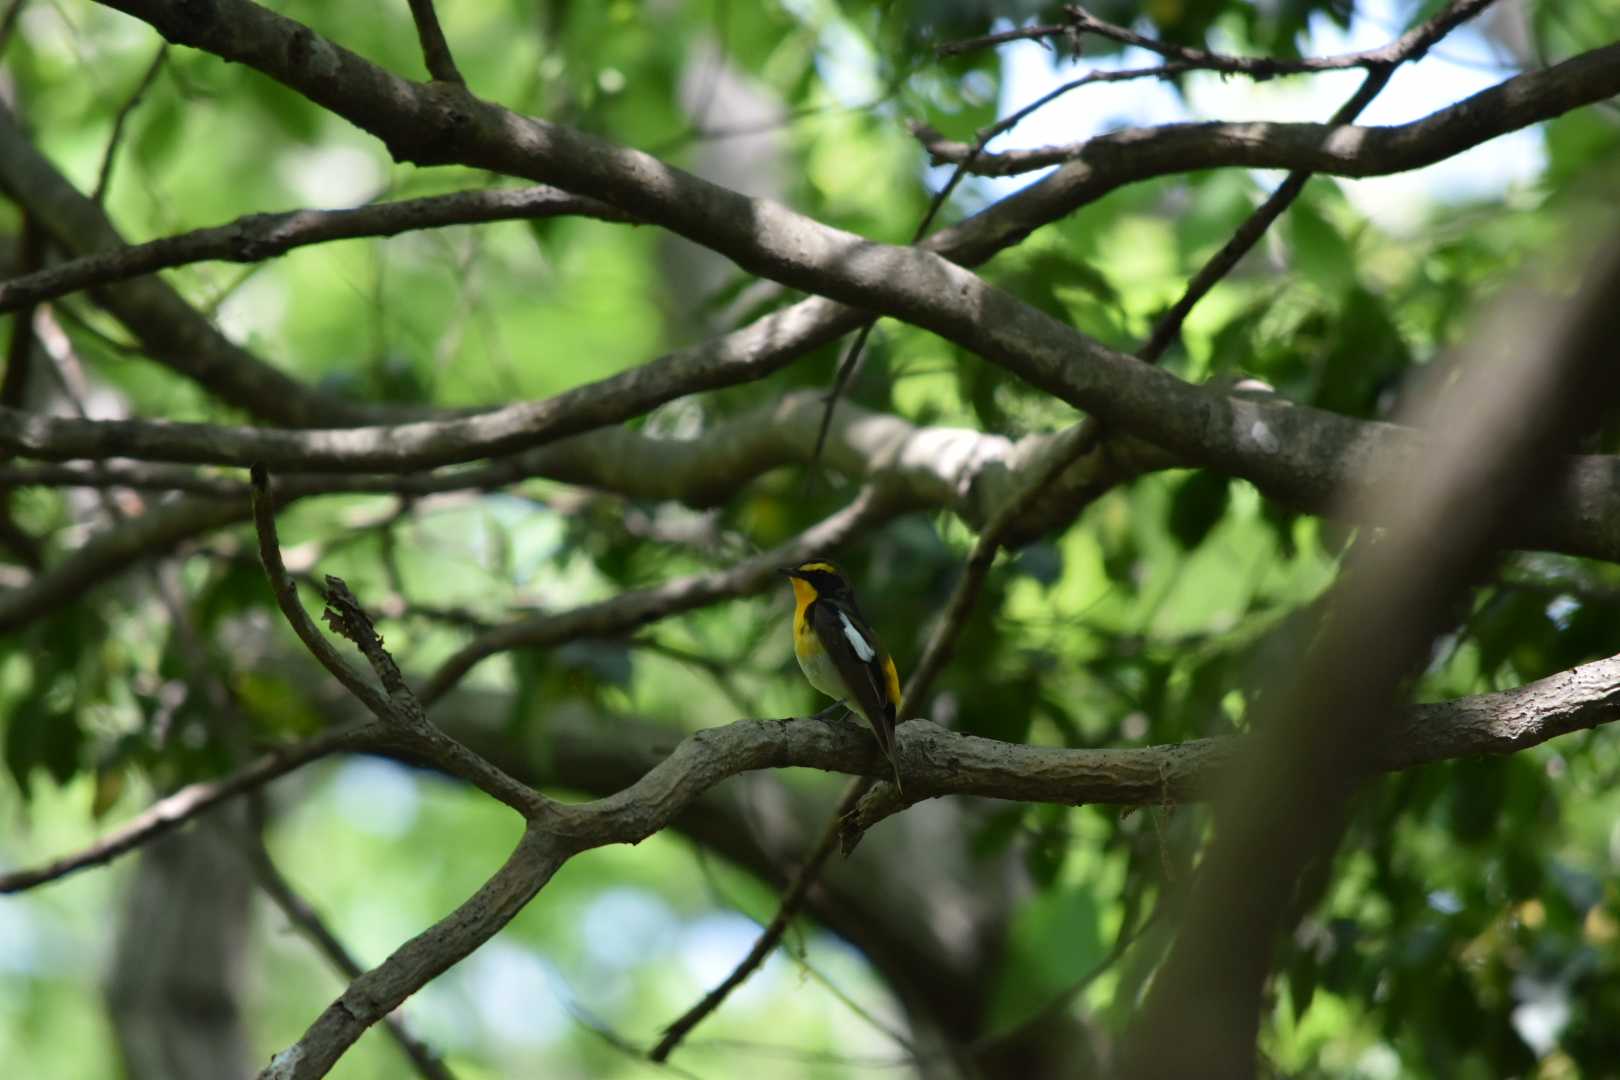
(304, 917)
(956, 468)
(947, 763)
(1264, 442)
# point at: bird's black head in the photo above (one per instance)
(822, 576)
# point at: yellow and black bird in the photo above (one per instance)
(840, 655)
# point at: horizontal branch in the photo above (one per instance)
(258, 237)
(938, 762)
(165, 325)
(1080, 22)
(958, 468)
(629, 611)
(964, 471)
(1337, 150)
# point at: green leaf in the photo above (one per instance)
(42, 734)
(1197, 506)
(1319, 251)
(1054, 941)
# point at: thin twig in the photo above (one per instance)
(1411, 44)
(1407, 47)
(286, 592)
(1039, 32)
(1074, 443)
(403, 712)
(308, 922)
(255, 238)
(435, 49)
(174, 810)
(104, 177)
(835, 832)
(611, 617)
(848, 365)
(798, 889)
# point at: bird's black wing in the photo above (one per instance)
(859, 658)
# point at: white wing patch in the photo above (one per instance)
(862, 647)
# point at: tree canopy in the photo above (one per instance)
(406, 409)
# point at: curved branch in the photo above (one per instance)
(941, 762)
(384, 988)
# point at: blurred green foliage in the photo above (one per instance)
(1468, 895)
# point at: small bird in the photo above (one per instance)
(840, 655)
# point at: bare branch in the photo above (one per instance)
(258, 237)
(381, 990)
(941, 762)
(174, 810)
(166, 325)
(1413, 43)
(792, 900)
(1168, 328)
(1263, 442)
(1342, 150)
(435, 50)
(944, 762)
(286, 592)
(956, 468)
(116, 139)
(405, 722)
(1409, 46)
(1039, 32)
(302, 915)
(630, 610)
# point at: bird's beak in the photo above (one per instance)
(788, 571)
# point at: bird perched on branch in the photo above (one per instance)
(840, 655)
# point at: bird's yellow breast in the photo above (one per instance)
(817, 666)
(804, 638)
